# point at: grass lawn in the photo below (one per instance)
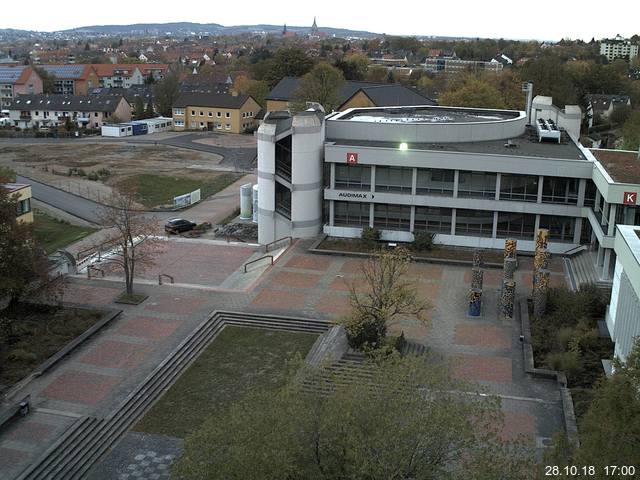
(53, 234)
(156, 190)
(40, 331)
(239, 360)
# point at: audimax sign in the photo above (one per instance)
(363, 196)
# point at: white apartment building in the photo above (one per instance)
(618, 48)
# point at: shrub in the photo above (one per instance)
(20, 355)
(81, 172)
(93, 176)
(567, 362)
(370, 237)
(422, 241)
(364, 331)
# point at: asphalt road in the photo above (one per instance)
(73, 204)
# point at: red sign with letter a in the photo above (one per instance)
(630, 198)
(352, 158)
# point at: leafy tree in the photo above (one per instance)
(23, 265)
(631, 131)
(322, 84)
(287, 62)
(377, 74)
(549, 76)
(387, 294)
(48, 79)
(166, 92)
(382, 428)
(131, 235)
(610, 428)
(473, 91)
(149, 111)
(354, 67)
(138, 108)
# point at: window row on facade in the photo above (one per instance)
(471, 184)
(476, 223)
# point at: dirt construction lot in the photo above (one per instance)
(97, 168)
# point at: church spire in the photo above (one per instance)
(314, 27)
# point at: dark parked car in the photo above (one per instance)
(178, 225)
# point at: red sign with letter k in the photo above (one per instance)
(630, 198)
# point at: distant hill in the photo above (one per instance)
(179, 29)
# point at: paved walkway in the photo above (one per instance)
(96, 377)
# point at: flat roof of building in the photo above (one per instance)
(623, 166)
(426, 114)
(14, 187)
(520, 146)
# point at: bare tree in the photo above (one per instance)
(385, 295)
(132, 235)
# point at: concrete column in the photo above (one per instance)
(577, 230)
(494, 228)
(540, 185)
(582, 188)
(414, 182)
(331, 212)
(453, 220)
(599, 256)
(456, 177)
(412, 217)
(605, 213)
(371, 215)
(612, 219)
(605, 264)
(332, 181)
(536, 226)
(498, 180)
(597, 200)
(373, 178)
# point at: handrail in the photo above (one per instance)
(95, 248)
(266, 247)
(91, 267)
(164, 275)
(574, 250)
(257, 259)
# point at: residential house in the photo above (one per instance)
(604, 105)
(118, 75)
(215, 111)
(353, 94)
(18, 80)
(157, 71)
(23, 192)
(72, 79)
(86, 111)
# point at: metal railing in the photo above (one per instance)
(266, 247)
(573, 250)
(91, 268)
(257, 260)
(164, 275)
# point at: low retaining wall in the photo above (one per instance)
(570, 425)
(442, 261)
(49, 363)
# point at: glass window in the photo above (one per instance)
(394, 179)
(24, 206)
(227, 114)
(357, 177)
(433, 219)
(351, 214)
(435, 181)
(590, 194)
(560, 228)
(283, 200)
(476, 184)
(391, 217)
(519, 187)
(560, 190)
(516, 225)
(476, 223)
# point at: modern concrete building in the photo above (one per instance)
(457, 65)
(471, 176)
(623, 314)
(618, 47)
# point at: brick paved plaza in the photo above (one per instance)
(98, 375)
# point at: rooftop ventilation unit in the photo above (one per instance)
(547, 129)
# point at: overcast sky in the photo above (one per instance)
(517, 19)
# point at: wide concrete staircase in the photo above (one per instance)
(73, 454)
(582, 271)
